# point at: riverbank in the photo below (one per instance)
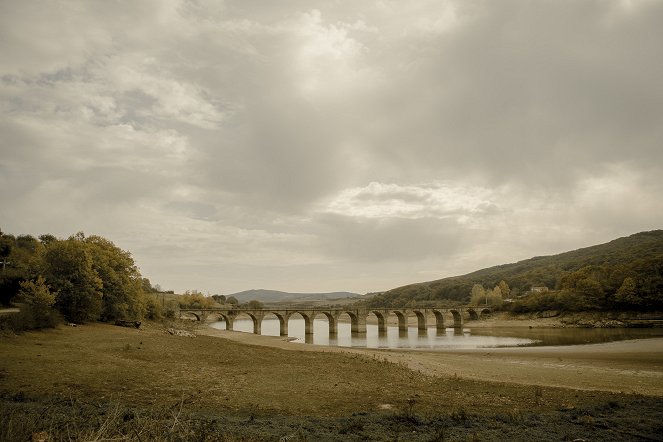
(634, 366)
(99, 381)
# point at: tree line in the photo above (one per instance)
(80, 278)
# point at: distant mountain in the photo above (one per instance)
(599, 270)
(277, 296)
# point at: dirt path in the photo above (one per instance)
(634, 366)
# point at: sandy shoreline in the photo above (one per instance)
(634, 366)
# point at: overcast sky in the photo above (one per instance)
(330, 145)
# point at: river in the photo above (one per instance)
(466, 338)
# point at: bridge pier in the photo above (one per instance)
(382, 323)
(308, 324)
(257, 322)
(283, 323)
(229, 320)
(422, 325)
(358, 323)
(458, 319)
(229, 323)
(439, 322)
(402, 321)
(333, 323)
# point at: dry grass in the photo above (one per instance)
(147, 382)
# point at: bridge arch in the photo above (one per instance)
(189, 314)
(422, 325)
(439, 321)
(458, 318)
(283, 322)
(357, 321)
(333, 323)
(382, 321)
(257, 323)
(473, 314)
(485, 313)
(308, 321)
(256, 319)
(402, 320)
(229, 319)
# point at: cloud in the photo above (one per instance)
(436, 200)
(331, 146)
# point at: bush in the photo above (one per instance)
(37, 311)
(562, 301)
(26, 319)
(154, 309)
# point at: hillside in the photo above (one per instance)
(277, 296)
(599, 271)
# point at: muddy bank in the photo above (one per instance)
(634, 366)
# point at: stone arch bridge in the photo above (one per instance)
(358, 317)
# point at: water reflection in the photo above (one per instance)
(432, 338)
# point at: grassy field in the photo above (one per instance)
(102, 382)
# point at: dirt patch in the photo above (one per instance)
(634, 366)
(242, 391)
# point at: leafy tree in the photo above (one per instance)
(17, 259)
(147, 286)
(122, 285)
(154, 308)
(6, 244)
(504, 288)
(27, 242)
(47, 239)
(627, 294)
(478, 295)
(221, 299)
(253, 304)
(232, 300)
(68, 268)
(195, 299)
(495, 296)
(587, 282)
(38, 296)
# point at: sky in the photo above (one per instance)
(315, 146)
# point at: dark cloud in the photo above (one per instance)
(326, 146)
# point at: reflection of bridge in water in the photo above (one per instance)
(358, 317)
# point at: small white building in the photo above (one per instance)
(541, 289)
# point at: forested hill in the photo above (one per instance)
(277, 296)
(596, 273)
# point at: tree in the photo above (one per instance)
(38, 296)
(504, 288)
(27, 242)
(67, 268)
(232, 300)
(147, 286)
(587, 283)
(221, 299)
(253, 304)
(478, 295)
(122, 285)
(6, 244)
(195, 299)
(627, 294)
(47, 238)
(495, 296)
